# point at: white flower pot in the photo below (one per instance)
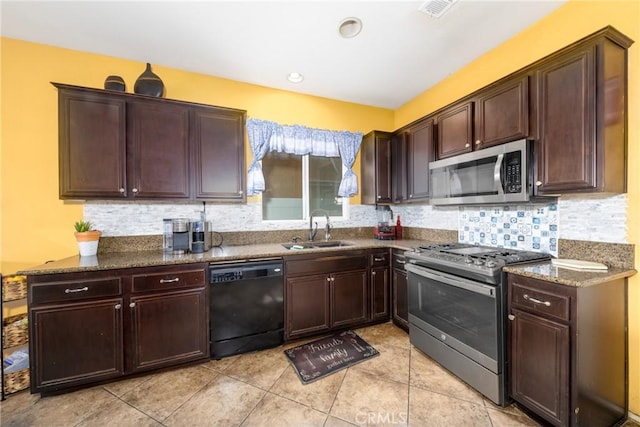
(88, 248)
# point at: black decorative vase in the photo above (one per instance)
(149, 83)
(114, 83)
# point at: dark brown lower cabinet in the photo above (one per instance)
(331, 292)
(307, 305)
(380, 281)
(76, 343)
(94, 326)
(159, 323)
(400, 314)
(567, 350)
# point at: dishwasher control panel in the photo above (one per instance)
(225, 276)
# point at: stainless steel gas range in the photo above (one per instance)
(457, 310)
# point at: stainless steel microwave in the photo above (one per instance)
(499, 174)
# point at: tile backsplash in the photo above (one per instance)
(527, 227)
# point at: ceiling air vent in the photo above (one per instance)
(436, 8)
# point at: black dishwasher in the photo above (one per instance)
(247, 306)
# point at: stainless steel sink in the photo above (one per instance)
(316, 245)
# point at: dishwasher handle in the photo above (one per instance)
(244, 271)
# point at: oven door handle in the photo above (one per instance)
(458, 282)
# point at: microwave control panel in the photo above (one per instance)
(513, 173)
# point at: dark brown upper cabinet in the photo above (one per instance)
(502, 113)
(455, 130)
(420, 151)
(582, 116)
(217, 137)
(375, 168)
(124, 146)
(157, 150)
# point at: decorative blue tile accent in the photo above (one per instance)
(528, 227)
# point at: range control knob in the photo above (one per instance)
(491, 263)
(478, 262)
(468, 260)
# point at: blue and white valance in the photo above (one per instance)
(265, 136)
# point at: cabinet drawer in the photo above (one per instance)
(379, 259)
(399, 261)
(71, 290)
(540, 302)
(163, 280)
(305, 265)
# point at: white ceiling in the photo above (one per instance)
(400, 53)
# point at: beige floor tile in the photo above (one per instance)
(366, 399)
(392, 363)
(336, 422)
(429, 375)
(277, 411)
(222, 364)
(224, 402)
(118, 413)
(15, 404)
(122, 387)
(167, 391)
(261, 369)
(386, 333)
(319, 394)
(62, 410)
(427, 408)
(510, 418)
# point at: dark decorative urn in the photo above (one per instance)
(149, 83)
(114, 83)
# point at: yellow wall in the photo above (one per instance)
(36, 226)
(574, 20)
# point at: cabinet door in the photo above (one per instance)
(400, 302)
(307, 305)
(399, 166)
(74, 344)
(349, 298)
(455, 130)
(540, 366)
(420, 152)
(567, 147)
(169, 328)
(380, 292)
(92, 145)
(376, 168)
(158, 149)
(218, 141)
(502, 113)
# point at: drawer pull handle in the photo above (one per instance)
(177, 279)
(401, 262)
(71, 291)
(378, 259)
(537, 301)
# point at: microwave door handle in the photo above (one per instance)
(498, 185)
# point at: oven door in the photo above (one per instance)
(461, 313)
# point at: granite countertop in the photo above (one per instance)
(568, 276)
(121, 260)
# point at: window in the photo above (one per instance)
(297, 185)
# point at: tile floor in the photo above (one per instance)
(402, 386)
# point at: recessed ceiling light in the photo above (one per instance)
(350, 27)
(295, 77)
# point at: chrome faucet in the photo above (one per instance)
(313, 231)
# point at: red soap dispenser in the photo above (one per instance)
(398, 229)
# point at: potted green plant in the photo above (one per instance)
(87, 238)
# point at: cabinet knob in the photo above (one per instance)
(379, 197)
(121, 190)
(134, 190)
(132, 305)
(538, 183)
(410, 196)
(478, 142)
(328, 279)
(511, 317)
(240, 192)
(467, 145)
(118, 306)
(373, 273)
